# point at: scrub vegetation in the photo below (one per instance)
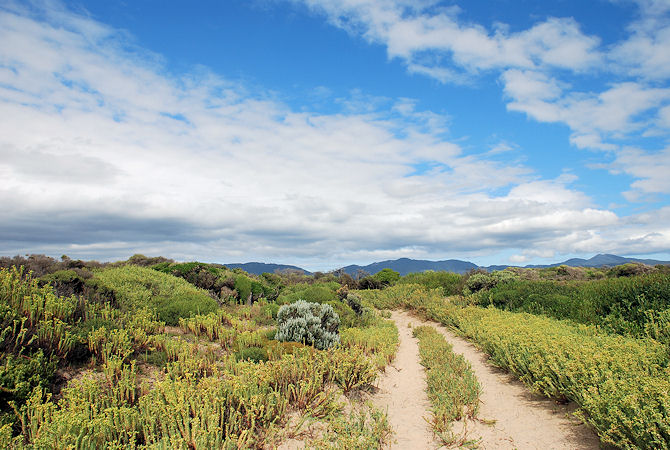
(159, 362)
(453, 388)
(151, 353)
(619, 376)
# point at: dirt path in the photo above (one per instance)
(523, 420)
(402, 392)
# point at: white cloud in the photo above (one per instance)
(645, 53)
(437, 44)
(594, 118)
(650, 169)
(628, 98)
(102, 152)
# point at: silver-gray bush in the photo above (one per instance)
(310, 323)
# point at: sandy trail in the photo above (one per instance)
(402, 392)
(523, 420)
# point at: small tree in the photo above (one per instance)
(310, 323)
(387, 277)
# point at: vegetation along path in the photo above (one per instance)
(510, 415)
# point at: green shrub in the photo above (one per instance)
(624, 305)
(629, 270)
(485, 281)
(449, 282)
(316, 293)
(387, 277)
(255, 354)
(309, 323)
(243, 288)
(272, 309)
(138, 287)
(369, 283)
(348, 318)
(19, 375)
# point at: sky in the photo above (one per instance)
(323, 133)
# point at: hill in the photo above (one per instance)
(407, 265)
(257, 268)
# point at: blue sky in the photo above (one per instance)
(329, 132)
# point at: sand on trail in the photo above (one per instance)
(523, 420)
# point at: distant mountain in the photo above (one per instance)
(258, 268)
(602, 260)
(406, 265)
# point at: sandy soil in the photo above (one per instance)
(523, 420)
(402, 392)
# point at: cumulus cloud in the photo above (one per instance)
(629, 99)
(104, 154)
(437, 43)
(592, 118)
(650, 169)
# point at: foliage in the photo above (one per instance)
(309, 323)
(394, 296)
(243, 288)
(40, 265)
(173, 298)
(369, 282)
(449, 282)
(19, 375)
(479, 281)
(379, 341)
(629, 305)
(147, 261)
(362, 429)
(621, 384)
(387, 277)
(453, 388)
(354, 302)
(255, 354)
(218, 382)
(315, 293)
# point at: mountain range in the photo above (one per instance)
(407, 265)
(258, 268)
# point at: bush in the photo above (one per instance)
(387, 277)
(485, 281)
(369, 283)
(255, 354)
(629, 270)
(354, 302)
(138, 287)
(449, 282)
(316, 293)
(309, 323)
(243, 288)
(19, 375)
(624, 305)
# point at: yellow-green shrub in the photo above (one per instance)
(139, 287)
(453, 388)
(379, 341)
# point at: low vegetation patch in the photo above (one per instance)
(139, 287)
(219, 380)
(625, 302)
(620, 383)
(453, 388)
